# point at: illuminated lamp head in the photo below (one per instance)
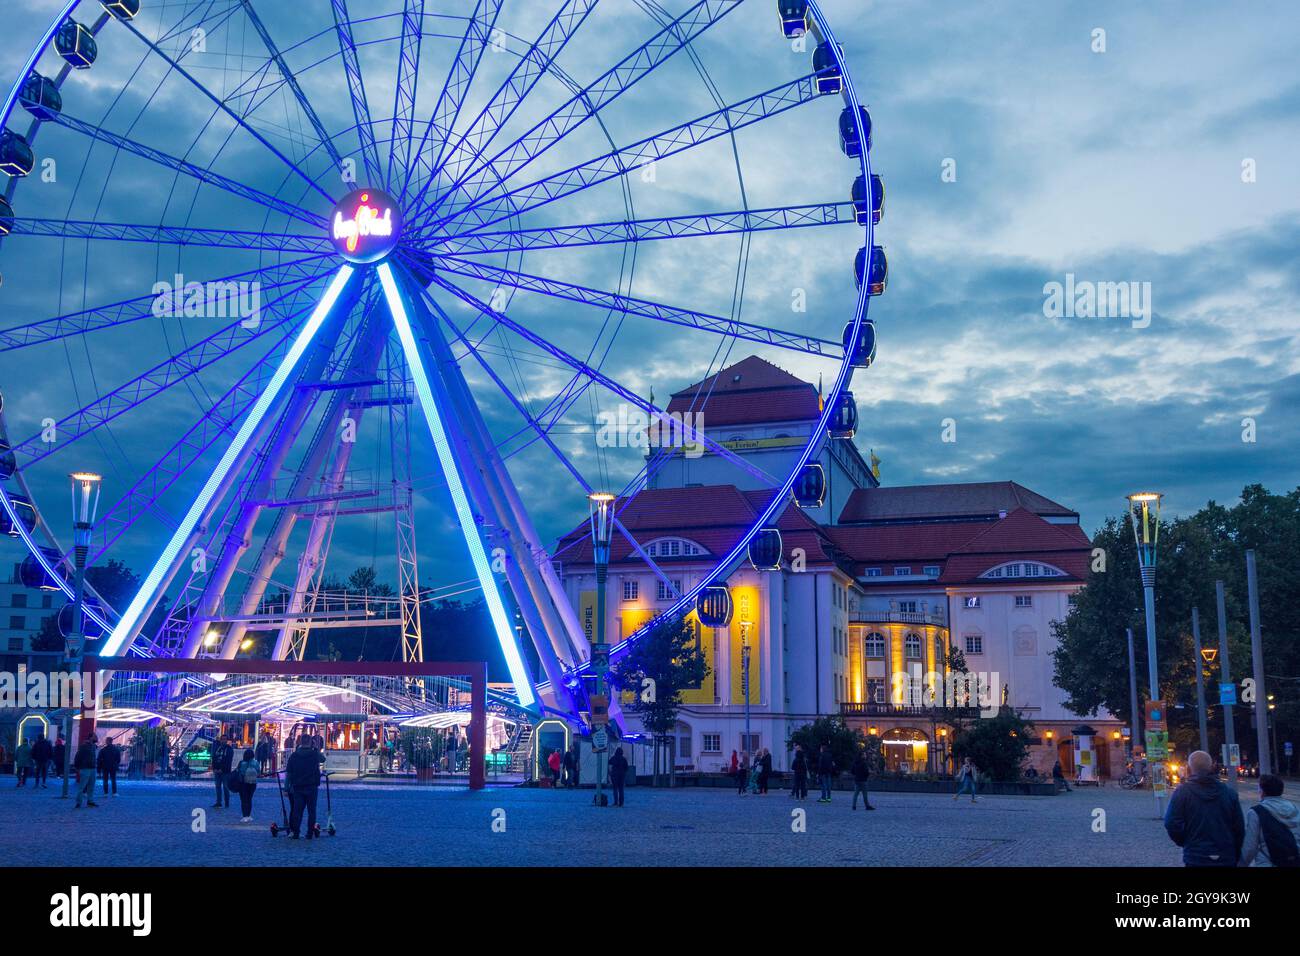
(365, 226)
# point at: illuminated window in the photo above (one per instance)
(631, 590)
(912, 647)
(875, 644)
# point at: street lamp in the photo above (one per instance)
(1144, 511)
(85, 505)
(601, 504)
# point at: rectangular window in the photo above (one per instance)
(907, 607)
(873, 572)
(684, 747)
(752, 746)
(973, 601)
(16, 644)
(1013, 570)
(902, 571)
(875, 690)
(974, 644)
(631, 590)
(662, 591)
(1032, 570)
(17, 622)
(1024, 600)
(19, 599)
(711, 744)
(931, 570)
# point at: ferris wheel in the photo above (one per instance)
(321, 284)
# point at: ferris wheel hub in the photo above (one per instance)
(366, 226)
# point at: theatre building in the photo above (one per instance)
(874, 588)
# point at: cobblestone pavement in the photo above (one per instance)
(152, 824)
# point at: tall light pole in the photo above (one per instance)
(601, 506)
(1257, 662)
(1201, 661)
(85, 505)
(1144, 511)
(1225, 677)
(1133, 732)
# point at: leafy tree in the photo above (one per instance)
(997, 746)
(665, 661)
(844, 742)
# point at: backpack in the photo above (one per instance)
(1278, 839)
(250, 771)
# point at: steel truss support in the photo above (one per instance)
(408, 561)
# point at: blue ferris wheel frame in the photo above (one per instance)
(404, 106)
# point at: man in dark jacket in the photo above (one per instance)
(110, 758)
(42, 754)
(302, 777)
(861, 773)
(263, 755)
(83, 762)
(223, 753)
(799, 768)
(1204, 817)
(825, 773)
(618, 775)
(60, 756)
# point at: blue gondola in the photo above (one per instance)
(861, 353)
(76, 44)
(713, 606)
(765, 550)
(849, 139)
(794, 17)
(32, 573)
(844, 419)
(92, 630)
(122, 9)
(40, 96)
(826, 64)
(869, 208)
(8, 464)
(810, 486)
(879, 269)
(16, 156)
(26, 516)
(6, 217)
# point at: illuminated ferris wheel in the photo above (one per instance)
(321, 283)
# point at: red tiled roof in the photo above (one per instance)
(749, 392)
(985, 499)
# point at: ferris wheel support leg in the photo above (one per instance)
(219, 482)
(417, 359)
(364, 363)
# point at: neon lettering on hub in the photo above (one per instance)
(366, 226)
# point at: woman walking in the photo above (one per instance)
(966, 780)
(248, 770)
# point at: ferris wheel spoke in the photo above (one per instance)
(172, 235)
(591, 99)
(670, 142)
(356, 88)
(644, 230)
(408, 78)
(221, 105)
(291, 81)
(644, 308)
(689, 432)
(478, 33)
(205, 176)
(219, 422)
(179, 368)
(142, 307)
(468, 147)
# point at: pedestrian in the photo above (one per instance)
(60, 756)
(223, 755)
(1272, 828)
(1058, 776)
(755, 768)
(263, 755)
(825, 773)
(453, 746)
(83, 761)
(247, 772)
(110, 758)
(618, 775)
(577, 764)
(966, 780)
(302, 776)
(764, 770)
(742, 776)
(861, 774)
(553, 761)
(799, 767)
(42, 754)
(735, 763)
(1204, 817)
(23, 763)
(318, 742)
(567, 762)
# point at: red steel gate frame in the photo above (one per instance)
(476, 671)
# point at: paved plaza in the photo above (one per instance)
(152, 824)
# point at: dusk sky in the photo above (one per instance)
(1165, 159)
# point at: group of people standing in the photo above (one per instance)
(752, 775)
(35, 760)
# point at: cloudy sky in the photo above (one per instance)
(1020, 142)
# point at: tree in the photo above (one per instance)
(665, 661)
(996, 746)
(844, 742)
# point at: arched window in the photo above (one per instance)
(875, 644)
(938, 653)
(912, 647)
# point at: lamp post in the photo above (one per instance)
(1200, 679)
(1144, 510)
(1133, 734)
(85, 505)
(1225, 677)
(601, 506)
(1257, 662)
